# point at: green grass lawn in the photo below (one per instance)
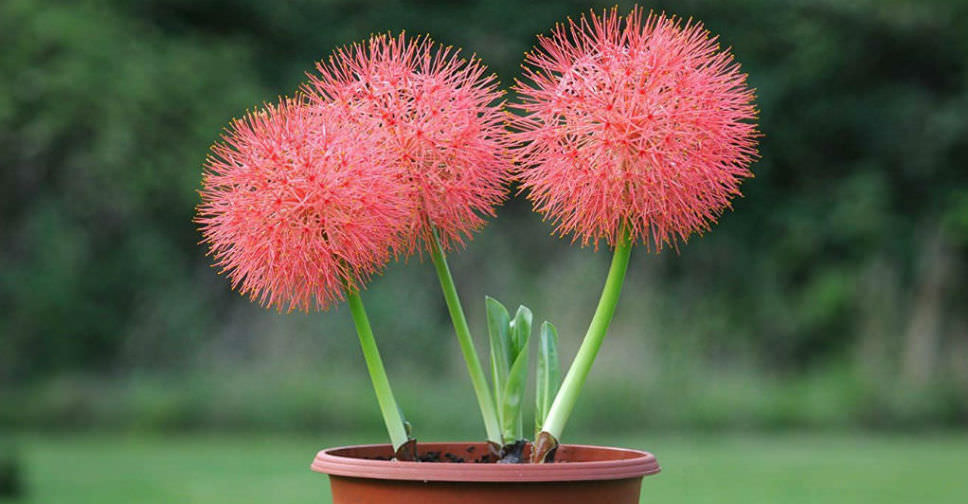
(785, 469)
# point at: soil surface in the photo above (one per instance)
(510, 454)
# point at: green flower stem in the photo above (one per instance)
(374, 364)
(567, 395)
(484, 399)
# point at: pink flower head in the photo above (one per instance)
(441, 119)
(632, 122)
(297, 207)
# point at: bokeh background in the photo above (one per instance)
(812, 347)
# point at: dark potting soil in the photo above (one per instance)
(465, 458)
(510, 454)
(513, 453)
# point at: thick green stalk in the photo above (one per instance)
(374, 364)
(474, 369)
(567, 395)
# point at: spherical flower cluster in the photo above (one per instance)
(633, 125)
(440, 118)
(297, 206)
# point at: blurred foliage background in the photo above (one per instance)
(831, 297)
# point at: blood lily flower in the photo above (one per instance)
(296, 206)
(300, 209)
(442, 121)
(637, 122)
(633, 128)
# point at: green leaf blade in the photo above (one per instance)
(548, 373)
(514, 390)
(520, 332)
(498, 323)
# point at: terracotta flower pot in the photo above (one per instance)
(581, 474)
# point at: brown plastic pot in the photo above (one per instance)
(580, 474)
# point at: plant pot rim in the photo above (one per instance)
(579, 463)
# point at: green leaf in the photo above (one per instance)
(498, 323)
(520, 330)
(509, 364)
(512, 422)
(549, 373)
